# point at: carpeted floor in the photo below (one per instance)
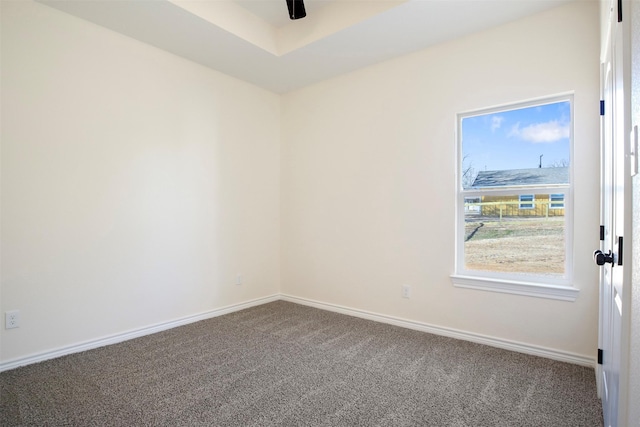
(285, 364)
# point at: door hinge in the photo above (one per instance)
(600, 356)
(602, 107)
(620, 252)
(619, 10)
(602, 233)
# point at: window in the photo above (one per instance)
(513, 205)
(526, 201)
(557, 201)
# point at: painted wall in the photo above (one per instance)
(368, 170)
(135, 184)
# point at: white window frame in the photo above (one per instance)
(553, 287)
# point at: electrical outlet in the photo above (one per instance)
(239, 279)
(12, 319)
(406, 291)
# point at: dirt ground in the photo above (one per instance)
(516, 246)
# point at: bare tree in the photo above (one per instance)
(469, 173)
(562, 163)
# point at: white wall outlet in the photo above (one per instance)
(12, 319)
(406, 291)
(239, 279)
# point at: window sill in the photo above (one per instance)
(558, 292)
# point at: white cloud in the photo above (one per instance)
(496, 122)
(542, 132)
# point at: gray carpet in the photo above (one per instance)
(283, 364)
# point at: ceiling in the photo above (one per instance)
(255, 41)
(274, 12)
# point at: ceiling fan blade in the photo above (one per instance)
(296, 9)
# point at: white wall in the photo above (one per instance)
(135, 184)
(368, 179)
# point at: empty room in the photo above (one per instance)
(319, 212)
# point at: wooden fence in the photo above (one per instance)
(511, 208)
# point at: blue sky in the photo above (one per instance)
(515, 139)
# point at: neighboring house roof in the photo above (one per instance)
(537, 176)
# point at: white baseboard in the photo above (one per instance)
(519, 347)
(410, 324)
(136, 333)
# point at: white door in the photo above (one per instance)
(610, 256)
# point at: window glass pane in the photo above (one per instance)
(515, 177)
(500, 237)
(523, 146)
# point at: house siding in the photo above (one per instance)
(509, 206)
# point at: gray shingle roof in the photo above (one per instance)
(537, 176)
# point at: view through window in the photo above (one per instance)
(513, 208)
